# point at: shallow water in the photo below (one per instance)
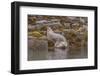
(57, 53)
(38, 50)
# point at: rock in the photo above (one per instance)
(67, 25)
(36, 34)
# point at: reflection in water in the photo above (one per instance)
(57, 53)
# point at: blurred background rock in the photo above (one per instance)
(73, 28)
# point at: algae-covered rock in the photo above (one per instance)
(35, 34)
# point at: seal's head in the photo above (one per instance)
(49, 29)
